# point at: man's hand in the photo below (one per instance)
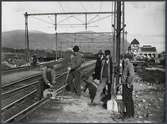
(69, 68)
(129, 85)
(50, 85)
(97, 81)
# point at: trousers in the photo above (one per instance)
(75, 82)
(100, 87)
(128, 100)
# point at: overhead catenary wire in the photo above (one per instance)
(61, 6)
(50, 18)
(101, 4)
(56, 23)
(65, 19)
(83, 7)
(42, 20)
(84, 37)
(102, 18)
(91, 20)
(97, 15)
(78, 19)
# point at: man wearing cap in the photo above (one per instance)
(105, 76)
(75, 63)
(127, 80)
(98, 64)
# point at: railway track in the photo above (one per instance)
(26, 68)
(30, 67)
(23, 96)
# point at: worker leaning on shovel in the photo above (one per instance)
(74, 77)
(105, 77)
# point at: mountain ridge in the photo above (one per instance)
(90, 41)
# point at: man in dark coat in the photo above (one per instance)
(105, 76)
(98, 64)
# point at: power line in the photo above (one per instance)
(77, 19)
(50, 18)
(97, 15)
(77, 26)
(93, 18)
(83, 7)
(99, 19)
(65, 19)
(61, 6)
(101, 4)
(42, 20)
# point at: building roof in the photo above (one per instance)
(148, 49)
(147, 46)
(135, 41)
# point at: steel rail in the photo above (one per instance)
(23, 111)
(34, 105)
(16, 89)
(20, 88)
(8, 84)
(7, 71)
(29, 67)
(22, 98)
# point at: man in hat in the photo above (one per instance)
(127, 80)
(98, 64)
(105, 77)
(75, 63)
(34, 60)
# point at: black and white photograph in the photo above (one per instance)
(83, 61)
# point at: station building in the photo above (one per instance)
(144, 51)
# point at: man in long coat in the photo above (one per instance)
(127, 80)
(105, 77)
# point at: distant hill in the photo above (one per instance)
(89, 42)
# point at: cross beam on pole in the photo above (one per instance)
(69, 13)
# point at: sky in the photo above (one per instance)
(144, 21)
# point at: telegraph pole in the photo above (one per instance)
(126, 33)
(56, 34)
(27, 38)
(123, 9)
(118, 39)
(114, 39)
(86, 23)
